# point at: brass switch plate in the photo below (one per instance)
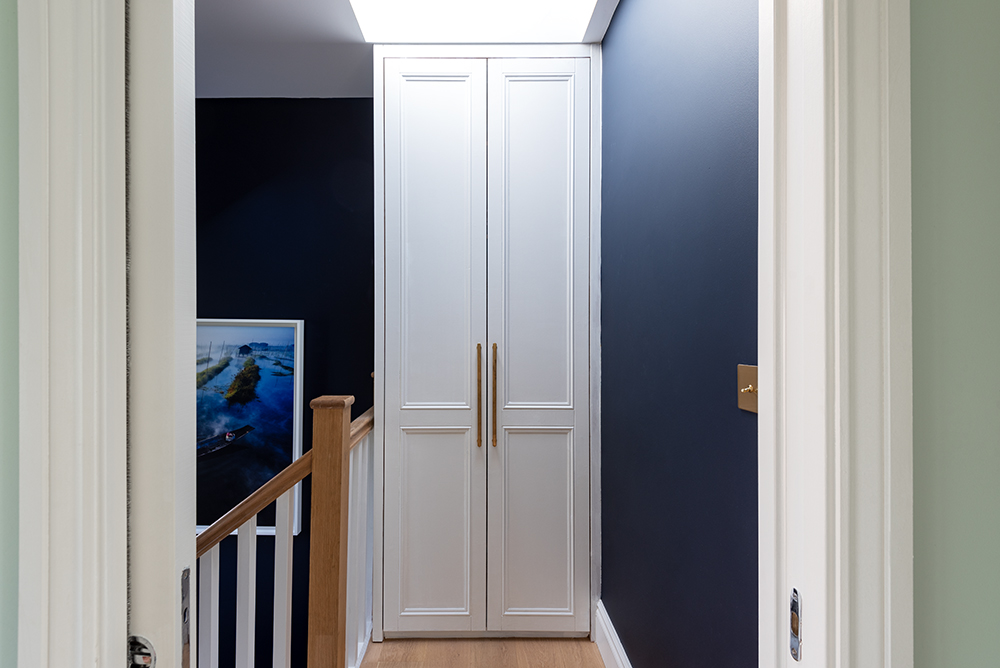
(746, 387)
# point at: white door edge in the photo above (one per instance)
(162, 312)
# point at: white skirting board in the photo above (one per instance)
(362, 651)
(612, 652)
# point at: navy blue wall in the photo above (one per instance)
(679, 468)
(286, 188)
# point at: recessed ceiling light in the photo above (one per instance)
(473, 21)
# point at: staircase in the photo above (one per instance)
(340, 558)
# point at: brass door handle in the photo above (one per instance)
(749, 388)
(494, 395)
(479, 395)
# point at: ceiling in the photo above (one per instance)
(315, 48)
(280, 48)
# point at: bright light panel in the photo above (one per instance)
(473, 21)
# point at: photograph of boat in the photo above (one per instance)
(249, 403)
(219, 441)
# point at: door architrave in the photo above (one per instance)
(834, 332)
(72, 587)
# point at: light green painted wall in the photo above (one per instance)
(956, 331)
(8, 333)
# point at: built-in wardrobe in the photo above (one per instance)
(485, 274)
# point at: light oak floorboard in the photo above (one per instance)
(484, 653)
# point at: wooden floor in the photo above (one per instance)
(491, 653)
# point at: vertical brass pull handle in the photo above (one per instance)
(479, 395)
(494, 395)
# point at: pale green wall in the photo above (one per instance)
(8, 333)
(956, 331)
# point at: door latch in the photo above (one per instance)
(186, 618)
(140, 652)
(795, 621)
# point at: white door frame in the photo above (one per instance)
(72, 388)
(834, 327)
(72, 317)
(81, 375)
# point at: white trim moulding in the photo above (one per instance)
(834, 294)
(606, 637)
(72, 601)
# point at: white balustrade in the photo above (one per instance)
(282, 657)
(359, 551)
(246, 593)
(208, 609)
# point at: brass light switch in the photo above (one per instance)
(746, 387)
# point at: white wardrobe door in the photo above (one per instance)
(435, 279)
(538, 221)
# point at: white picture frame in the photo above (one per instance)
(247, 464)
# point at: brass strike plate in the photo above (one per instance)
(746, 387)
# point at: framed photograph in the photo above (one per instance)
(249, 378)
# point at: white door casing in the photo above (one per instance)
(539, 217)
(435, 250)
(835, 356)
(72, 598)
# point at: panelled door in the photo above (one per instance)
(435, 282)
(487, 350)
(538, 295)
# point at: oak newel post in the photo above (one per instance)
(328, 534)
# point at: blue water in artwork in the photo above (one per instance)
(235, 469)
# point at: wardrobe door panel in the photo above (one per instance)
(538, 301)
(435, 242)
(538, 241)
(436, 520)
(538, 526)
(435, 282)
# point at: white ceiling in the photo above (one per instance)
(280, 48)
(315, 48)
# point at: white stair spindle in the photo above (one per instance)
(285, 518)
(362, 545)
(358, 536)
(353, 584)
(349, 648)
(246, 593)
(208, 609)
(369, 533)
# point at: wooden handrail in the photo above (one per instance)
(267, 494)
(273, 488)
(361, 426)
